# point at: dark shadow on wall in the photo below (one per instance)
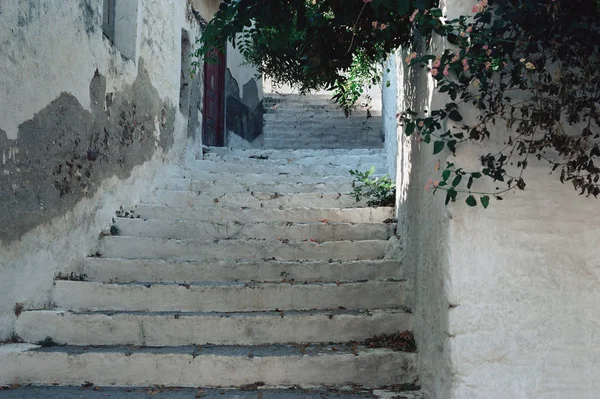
(244, 116)
(65, 152)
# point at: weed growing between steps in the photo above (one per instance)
(122, 213)
(400, 341)
(379, 191)
(12, 339)
(71, 276)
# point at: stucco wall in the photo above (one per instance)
(243, 102)
(83, 130)
(505, 299)
(422, 225)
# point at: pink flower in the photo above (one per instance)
(437, 165)
(480, 6)
(367, 1)
(375, 24)
(446, 71)
(455, 58)
(465, 62)
(437, 63)
(488, 65)
(434, 72)
(429, 184)
(466, 67)
(421, 124)
(485, 47)
(414, 14)
(382, 26)
(489, 52)
(469, 29)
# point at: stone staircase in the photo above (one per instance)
(314, 121)
(254, 268)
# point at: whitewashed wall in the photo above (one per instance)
(51, 47)
(505, 299)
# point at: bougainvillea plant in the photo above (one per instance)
(530, 66)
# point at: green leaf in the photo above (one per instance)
(438, 146)
(456, 180)
(446, 174)
(471, 201)
(470, 183)
(455, 116)
(485, 201)
(410, 128)
(450, 195)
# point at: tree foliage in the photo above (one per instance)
(528, 66)
(313, 45)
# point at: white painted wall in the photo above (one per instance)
(242, 72)
(54, 52)
(505, 299)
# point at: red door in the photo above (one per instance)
(213, 127)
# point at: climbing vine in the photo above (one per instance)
(529, 68)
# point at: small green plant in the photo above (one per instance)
(122, 213)
(114, 230)
(379, 191)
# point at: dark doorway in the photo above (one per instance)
(213, 127)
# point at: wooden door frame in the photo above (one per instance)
(220, 94)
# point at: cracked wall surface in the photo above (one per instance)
(84, 130)
(65, 151)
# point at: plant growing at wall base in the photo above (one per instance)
(379, 191)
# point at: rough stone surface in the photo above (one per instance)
(218, 366)
(226, 297)
(192, 393)
(313, 121)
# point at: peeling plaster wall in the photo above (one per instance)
(505, 299)
(83, 130)
(243, 103)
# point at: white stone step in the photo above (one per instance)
(294, 111)
(162, 392)
(315, 144)
(320, 124)
(280, 365)
(300, 214)
(284, 154)
(176, 329)
(238, 187)
(148, 248)
(317, 231)
(209, 201)
(258, 168)
(298, 159)
(341, 134)
(262, 178)
(226, 297)
(158, 270)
